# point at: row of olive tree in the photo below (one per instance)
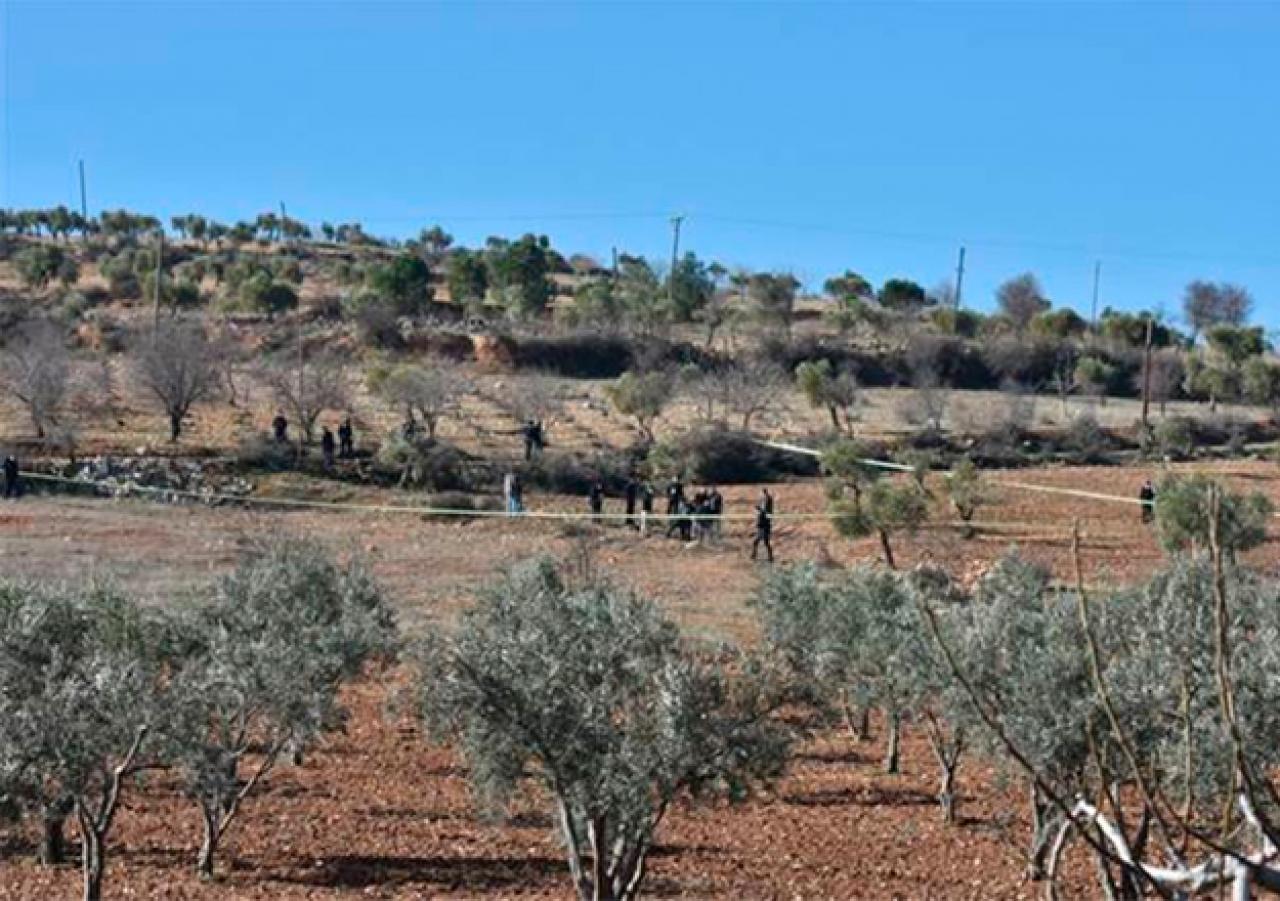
(95, 688)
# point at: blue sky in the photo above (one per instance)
(808, 137)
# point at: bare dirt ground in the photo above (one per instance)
(379, 813)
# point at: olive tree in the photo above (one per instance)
(747, 389)
(35, 368)
(82, 694)
(179, 367)
(967, 492)
(1147, 717)
(592, 691)
(838, 393)
(1182, 515)
(266, 654)
(861, 503)
(643, 396)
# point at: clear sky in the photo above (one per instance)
(808, 137)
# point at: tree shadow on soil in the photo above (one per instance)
(868, 797)
(473, 874)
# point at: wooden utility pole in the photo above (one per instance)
(1097, 277)
(155, 305)
(1146, 373)
(960, 279)
(615, 264)
(283, 217)
(84, 198)
(675, 256)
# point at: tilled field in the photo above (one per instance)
(379, 813)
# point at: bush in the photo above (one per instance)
(727, 456)
(562, 473)
(462, 500)
(1086, 439)
(1175, 438)
(423, 463)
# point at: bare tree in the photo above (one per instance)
(179, 367)
(1166, 376)
(1020, 299)
(746, 389)
(35, 368)
(537, 397)
(308, 390)
(1206, 304)
(431, 393)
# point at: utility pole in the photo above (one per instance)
(960, 279)
(615, 264)
(155, 306)
(675, 256)
(1097, 276)
(1146, 374)
(84, 198)
(283, 217)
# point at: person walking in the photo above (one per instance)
(596, 500)
(509, 493)
(764, 526)
(632, 491)
(280, 428)
(1147, 497)
(346, 440)
(12, 478)
(327, 446)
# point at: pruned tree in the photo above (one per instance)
(591, 691)
(179, 367)
(308, 390)
(1206, 304)
(643, 396)
(82, 692)
(967, 492)
(1183, 521)
(838, 394)
(773, 299)
(35, 369)
(746, 389)
(264, 658)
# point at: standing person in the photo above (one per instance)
(715, 502)
(12, 481)
(675, 499)
(764, 525)
(685, 521)
(533, 440)
(517, 492)
(596, 500)
(646, 507)
(509, 493)
(280, 428)
(632, 491)
(346, 439)
(1147, 497)
(327, 447)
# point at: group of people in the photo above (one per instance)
(697, 517)
(343, 446)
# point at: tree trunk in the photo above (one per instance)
(835, 416)
(888, 550)
(92, 862)
(891, 751)
(947, 794)
(52, 850)
(864, 723)
(208, 845)
(175, 427)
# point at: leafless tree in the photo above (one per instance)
(1206, 304)
(1020, 299)
(179, 367)
(35, 368)
(745, 390)
(536, 398)
(428, 392)
(1167, 373)
(308, 390)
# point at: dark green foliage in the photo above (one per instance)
(1183, 515)
(521, 270)
(903, 295)
(405, 282)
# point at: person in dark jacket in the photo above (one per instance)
(632, 492)
(533, 438)
(280, 428)
(12, 478)
(327, 447)
(675, 500)
(715, 506)
(1147, 497)
(646, 507)
(346, 439)
(764, 526)
(596, 499)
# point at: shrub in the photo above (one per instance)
(261, 451)
(423, 463)
(726, 456)
(1087, 440)
(564, 473)
(1175, 438)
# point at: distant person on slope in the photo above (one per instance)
(280, 428)
(632, 492)
(327, 447)
(346, 439)
(12, 479)
(1147, 497)
(596, 500)
(764, 526)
